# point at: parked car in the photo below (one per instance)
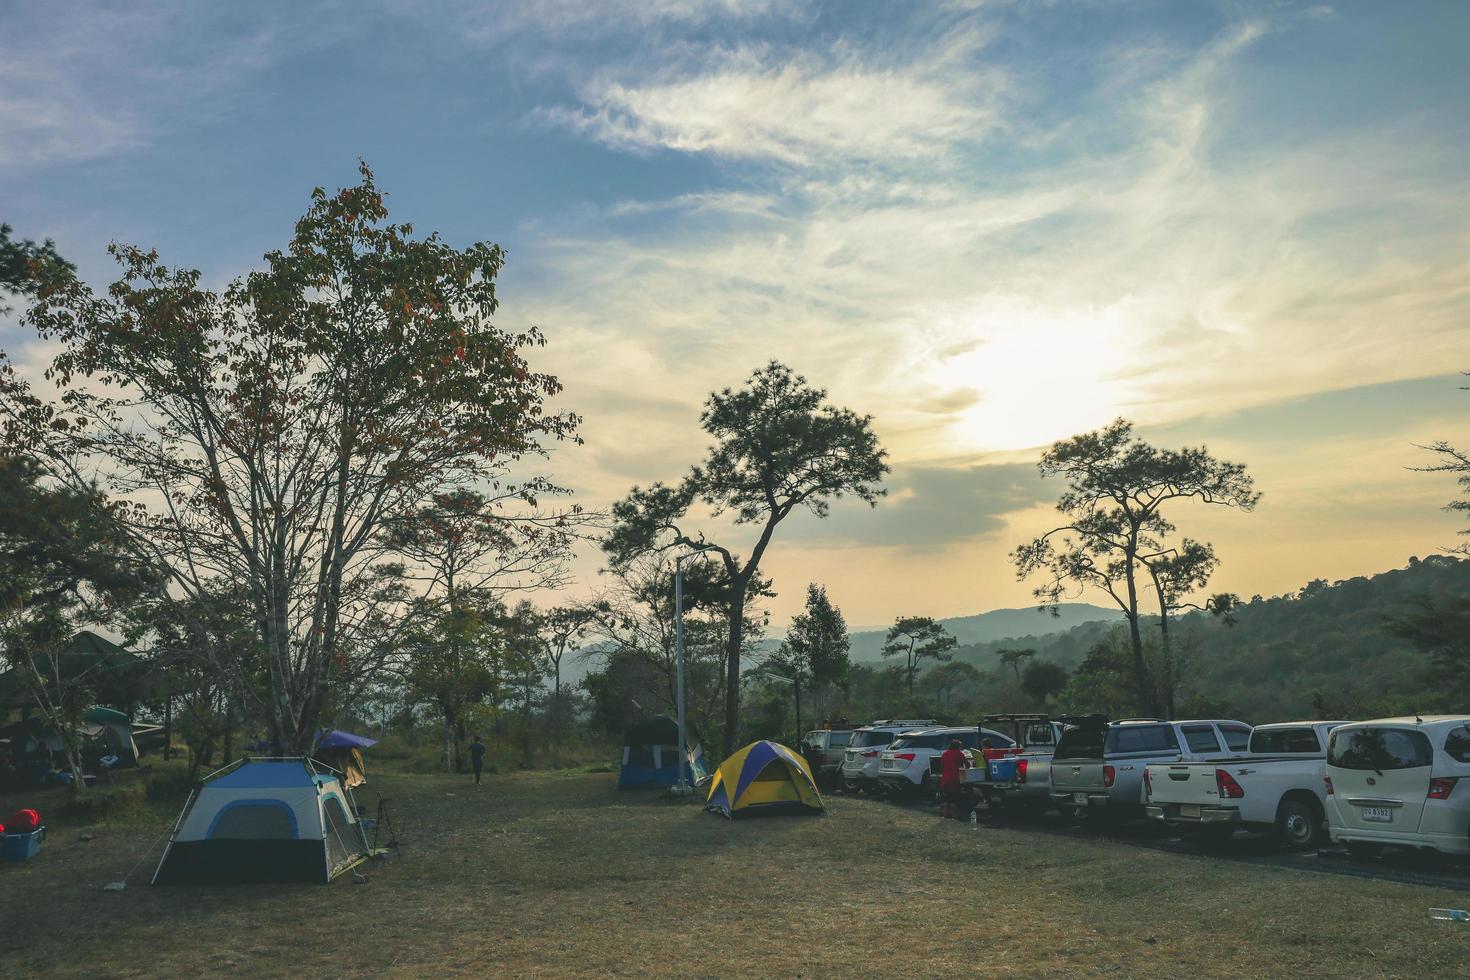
(910, 765)
(1277, 784)
(830, 746)
(860, 762)
(1023, 776)
(1397, 781)
(1098, 766)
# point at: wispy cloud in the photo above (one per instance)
(797, 108)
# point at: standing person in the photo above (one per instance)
(477, 757)
(951, 763)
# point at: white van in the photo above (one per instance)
(1397, 781)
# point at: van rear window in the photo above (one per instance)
(1379, 749)
(868, 740)
(921, 742)
(1141, 738)
(838, 739)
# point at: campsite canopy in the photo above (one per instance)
(763, 777)
(264, 820)
(343, 752)
(111, 673)
(651, 752)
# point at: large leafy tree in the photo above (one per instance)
(267, 433)
(779, 446)
(19, 258)
(916, 639)
(1117, 487)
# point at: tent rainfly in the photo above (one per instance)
(763, 777)
(264, 820)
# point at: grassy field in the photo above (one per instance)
(555, 874)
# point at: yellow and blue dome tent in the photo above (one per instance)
(763, 777)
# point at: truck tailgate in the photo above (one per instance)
(1183, 782)
(1077, 776)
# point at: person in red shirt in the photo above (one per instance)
(951, 763)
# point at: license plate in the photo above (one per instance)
(1079, 798)
(1378, 814)
(1188, 810)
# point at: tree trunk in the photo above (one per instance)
(732, 666)
(1146, 701)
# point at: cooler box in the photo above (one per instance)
(21, 847)
(1002, 770)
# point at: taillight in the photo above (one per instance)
(1228, 787)
(1148, 783)
(1328, 781)
(1109, 774)
(1021, 770)
(905, 756)
(1440, 789)
(870, 755)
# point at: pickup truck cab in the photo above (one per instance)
(1098, 767)
(830, 745)
(859, 769)
(1397, 781)
(1277, 784)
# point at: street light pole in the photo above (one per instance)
(681, 786)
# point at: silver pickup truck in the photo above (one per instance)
(1097, 769)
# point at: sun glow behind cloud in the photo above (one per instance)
(1038, 375)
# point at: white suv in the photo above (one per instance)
(859, 769)
(1397, 781)
(911, 764)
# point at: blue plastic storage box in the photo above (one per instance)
(21, 847)
(1003, 770)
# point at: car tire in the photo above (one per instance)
(1299, 823)
(1362, 850)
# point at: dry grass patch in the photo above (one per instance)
(550, 875)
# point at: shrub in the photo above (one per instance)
(167, 780)
(102, 804)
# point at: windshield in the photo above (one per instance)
(1379, 749)
(1142, 738)
(868, 740)
(1275, 741)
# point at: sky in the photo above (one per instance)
(987, 225)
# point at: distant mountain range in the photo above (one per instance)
(996, 626)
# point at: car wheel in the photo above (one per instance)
(1362, 850)
(1299, 823)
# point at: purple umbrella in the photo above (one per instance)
(343, 740)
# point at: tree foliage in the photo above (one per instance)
(265, 434)
(779, 447)
(916, 639)
(1116, 489)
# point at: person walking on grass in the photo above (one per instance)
(951, 763)
(477, 757)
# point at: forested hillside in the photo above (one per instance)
(1324, 648)
(998, 628)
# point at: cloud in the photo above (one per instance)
(928, 508)
(763, 102)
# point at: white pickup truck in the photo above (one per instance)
(1278, 783)
(1097, 770)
